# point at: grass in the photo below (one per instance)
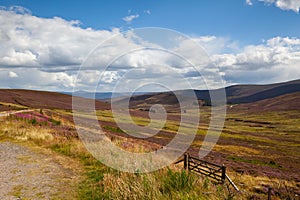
(178, 181)
(255, 162)
(17, 191)
(255, 187)
(64, 149)
(55, 122)
(163, 184)
(269, 134)
(113, 129)
(237, 150)
(101, 182)
(13, 106)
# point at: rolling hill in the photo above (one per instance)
(279, 95)
(284, 102)
(101, 95)
(42, 99)
(253, 93)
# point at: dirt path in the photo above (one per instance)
(7, 113)
(30, 173)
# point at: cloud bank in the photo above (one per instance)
(278, 59)
(45, 53)
(282, 4)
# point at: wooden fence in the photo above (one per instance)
(214, 171)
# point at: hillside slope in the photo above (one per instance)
(41, 99)
(238, 94)
(281, 103)
(253, 93)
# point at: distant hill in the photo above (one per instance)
(284, 102)
(42, 99)
(101, 95)
(253, 93)
(237, 94)
(280, 96)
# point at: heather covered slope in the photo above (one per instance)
(253, 93)
(287, 92)
(41, 99)
(287, 102)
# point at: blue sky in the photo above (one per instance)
(251, 41)
(233, 19)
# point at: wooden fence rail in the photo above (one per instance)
(214, 171)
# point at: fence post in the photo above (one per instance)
(223, 173)
(186, 161)
(269, 193)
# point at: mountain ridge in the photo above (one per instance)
(257, 95)
(237, 94)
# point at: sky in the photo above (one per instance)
(43, 44)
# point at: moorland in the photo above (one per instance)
(259, 143)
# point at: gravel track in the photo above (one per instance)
(28, 173)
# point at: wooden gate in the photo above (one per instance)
(214, 171)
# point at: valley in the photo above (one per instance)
(259, 144)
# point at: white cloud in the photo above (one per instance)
(29, 41)
(147, 12)
(249, 2)
(278, 59)
(12, 74)
(44, 45)
(129, 18)
(288, 5)
(45, 54)
(215, 45)
(282, 4)
(36, 79)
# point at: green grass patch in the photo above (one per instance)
(177, 181)
(64, 149)
(255, 162)
(55, 122)
(113, 129)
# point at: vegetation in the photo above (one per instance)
(101, 182)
